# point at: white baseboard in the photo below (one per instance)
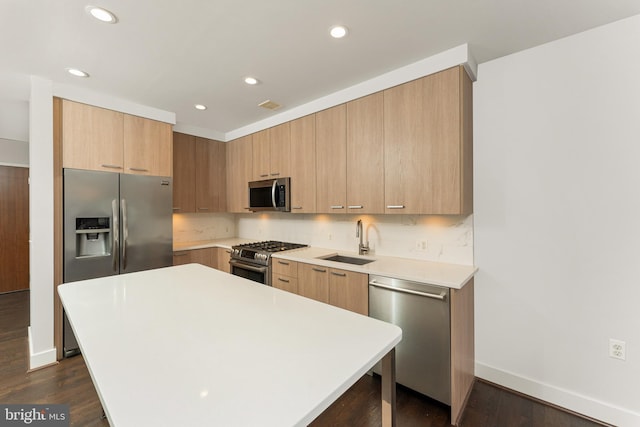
(40, 359)
(557, 396)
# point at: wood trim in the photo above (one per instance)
(462, 348)
(58, 216)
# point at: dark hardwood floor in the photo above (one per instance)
(69, 382)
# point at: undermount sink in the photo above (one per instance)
(347, 259)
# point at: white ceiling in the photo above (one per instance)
(173, 54)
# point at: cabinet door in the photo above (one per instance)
(406, 154)
(184, 173)
(331, 160)
(181, 257)
(349, 290)
(210, 179)
(365, 155)
(91, 137)
(280, 146)
(239, 173)
(303, 165)
(204, 256)
(261, 155)
(286, 283)
(313, 282)
(223, 256)
(147, 146)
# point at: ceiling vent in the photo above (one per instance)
(269, 105)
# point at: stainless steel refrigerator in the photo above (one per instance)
(114, 223)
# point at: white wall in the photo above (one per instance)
(41, 346)
(557, 214)
(14, 153)
(448, 238)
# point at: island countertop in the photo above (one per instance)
(190, 345)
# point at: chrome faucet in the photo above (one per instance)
(362, 249)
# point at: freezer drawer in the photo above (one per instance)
(423, 357)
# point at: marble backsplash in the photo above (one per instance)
(194, 227)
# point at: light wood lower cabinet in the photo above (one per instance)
(341, 288)
(349, 290)
(223, 255)
(284, 275)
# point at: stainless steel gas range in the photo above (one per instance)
(253, 260)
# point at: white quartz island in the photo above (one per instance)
(193, 346)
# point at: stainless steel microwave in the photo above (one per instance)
(270, 195)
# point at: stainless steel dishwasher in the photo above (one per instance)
(423, 357)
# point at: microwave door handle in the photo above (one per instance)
(273, 194)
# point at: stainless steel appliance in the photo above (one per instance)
(253, 260)
(423, 357)
(114, 223)
(270, 195)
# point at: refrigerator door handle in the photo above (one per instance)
(115, 228)
(125, 233)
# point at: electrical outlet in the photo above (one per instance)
(421, 245)
(617, 349)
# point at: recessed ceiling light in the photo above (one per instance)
(76, 72)
(102, 14)
(251, 80)
(338, 31)
(200, 107)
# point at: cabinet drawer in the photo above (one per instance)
(286, 283)
(285, 267)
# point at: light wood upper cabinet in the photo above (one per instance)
(148, 145)
(365, 155)
(199, 166)
(313, 282)
(331, 160)
(95, 138)
(303, 165)
(239, 173)
(349, 290)
(184, 173)
(92, 137)
(271, 152)
(428, 145)
(210, 176)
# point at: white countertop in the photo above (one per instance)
(453, 276)
(190, 345)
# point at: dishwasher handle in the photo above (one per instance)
(440, 297)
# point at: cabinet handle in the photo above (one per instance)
(275, 174)
(228, 251)
(395, 207)
(355, 207)
(296, 207)
(139, 170)
(203, 209)
(319, 270)
(440, 297)
(337, 207)
(111, 166)
(283, 263)
(180, 254)
(283, 280)
(339, 274)
(176, 209)
(263, 175)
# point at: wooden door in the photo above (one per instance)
(261, 155)
(331, 160)
(313, 282)
(280, 146)
(239, 173)
(91, 137)
(147, 146)
(303, 165)
(184, 173)
(14, 229)
(365, 155)
(349, 290)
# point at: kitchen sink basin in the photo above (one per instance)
(348, 259)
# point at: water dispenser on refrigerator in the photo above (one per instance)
(93, 237)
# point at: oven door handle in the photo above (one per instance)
(240, 264)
